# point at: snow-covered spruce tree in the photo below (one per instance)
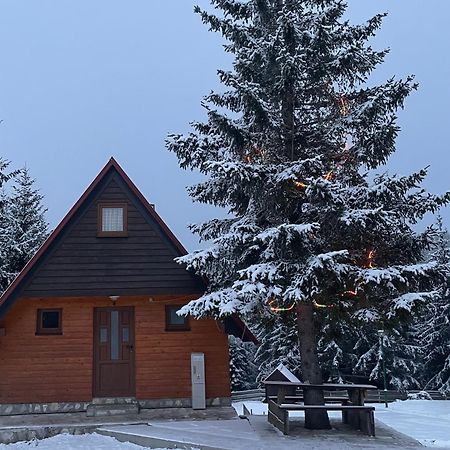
(336, 346)
(6, 224)
(435, 329)
(243, 371)
(28, 228)
(278, 343)
(6, 241)
(402, 355)
(284, 148)
(4, 175)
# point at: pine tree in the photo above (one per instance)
(243, 370)
(29, 228)
(6, 240)
(435, 329)
(337, 341)
(4, 176)
(402, 355)
(278, 344)
(285, 148)
(6, 221)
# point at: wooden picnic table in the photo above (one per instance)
(286, 394)
(356, 392)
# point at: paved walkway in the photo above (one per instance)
(39, 426)
(255, 434)
(210, 429)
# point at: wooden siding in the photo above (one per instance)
(82, 264)
(36, 369)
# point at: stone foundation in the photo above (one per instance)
(53, 408)
(181, 402)
(41, 408)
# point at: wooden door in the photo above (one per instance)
(114, 367)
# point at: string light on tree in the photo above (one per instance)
(353, 293)
(348, 293)
(256, 152)
(343, 105)
(318, 305)
(301, 185)
(275, 308)
(370, 258)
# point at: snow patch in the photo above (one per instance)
(71, 442)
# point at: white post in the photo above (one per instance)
(198, 380)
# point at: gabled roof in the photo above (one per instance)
(14, 291)
(111, 165)
(282, 373)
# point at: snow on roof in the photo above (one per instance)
(285, 372)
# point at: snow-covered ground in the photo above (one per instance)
(424, 420)
(69, 442)
(428, 421)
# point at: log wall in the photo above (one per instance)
(38, 369)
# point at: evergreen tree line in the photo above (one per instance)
(23, 227)
(417, 352)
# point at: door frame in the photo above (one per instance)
(96, 350)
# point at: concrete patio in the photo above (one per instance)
(39, 426)
(211, 429)
(254, 433)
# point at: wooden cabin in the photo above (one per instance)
(93, 314)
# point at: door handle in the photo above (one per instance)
(130, 347)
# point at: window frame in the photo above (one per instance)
(101, 206)
(185, 326)
(41, 331)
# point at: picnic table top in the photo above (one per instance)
(294, 406)
(324, 386)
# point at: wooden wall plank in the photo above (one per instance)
(59, 368)
(82, 263)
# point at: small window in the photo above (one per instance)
(49, 321)
(112, 219)
(174, 322)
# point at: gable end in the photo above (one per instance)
(75, 261)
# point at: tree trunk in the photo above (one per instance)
(288, 122)
(311, 371)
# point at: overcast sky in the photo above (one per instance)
(84, 80)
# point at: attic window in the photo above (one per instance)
(112, 219)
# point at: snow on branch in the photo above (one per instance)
(407, 302)
(367, 315)
(269, 272)
(326, 259)
(212, 228)
(288, 230)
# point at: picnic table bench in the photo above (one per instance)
(354, 412)
(299, 399)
